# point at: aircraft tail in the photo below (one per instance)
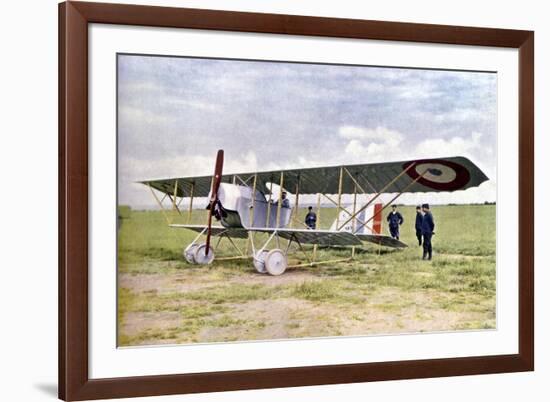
(377, 221)
(372, 214)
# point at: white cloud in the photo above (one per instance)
(135, 116)
(461, 115)
(382, 145)
(203, 106)
(452, 147)
(402, 84)
(372, 145)
(417, 91)
(382, 134)
(373, 152)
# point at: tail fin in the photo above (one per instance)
(377, 221)
(374, 226)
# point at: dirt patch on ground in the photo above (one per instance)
(379, 314)
(164, 283)
(391, 311)
(188, 281)
(142, 283)
(188, 309)
(273, 319)
(291, 276)
(141, 323)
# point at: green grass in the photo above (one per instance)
(144, 235)
(315, 291)
(235, 293)
(382, 288)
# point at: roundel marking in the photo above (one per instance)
(438, 174)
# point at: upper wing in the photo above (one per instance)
(423, 175)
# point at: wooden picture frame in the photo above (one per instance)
(74, 381)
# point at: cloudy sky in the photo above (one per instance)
(175, 113)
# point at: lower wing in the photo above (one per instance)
(216, 230)
(307, 236)
(382, 240)
(304, 236)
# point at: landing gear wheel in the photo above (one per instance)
(275, 262)
(200, 254)
(189, 253)
(259, 261)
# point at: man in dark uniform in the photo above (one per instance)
(428, 226)
(285, 201)
(418, 224)
(311, 218)
(394, 219)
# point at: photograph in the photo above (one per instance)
(268, 200)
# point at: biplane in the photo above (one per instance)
(244, 204)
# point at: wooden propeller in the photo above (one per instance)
(218, 171)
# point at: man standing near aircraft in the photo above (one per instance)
(428, 226)
(395, 219)
(311, 218)
(418, 224)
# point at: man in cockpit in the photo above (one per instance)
(285, 203)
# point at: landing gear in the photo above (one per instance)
(189, 253)
(273, 262)
(200, 255)
(266, 261)
(196, 254)
(258, 261)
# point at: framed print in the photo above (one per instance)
(259, 200)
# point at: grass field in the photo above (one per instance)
(163, 299)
